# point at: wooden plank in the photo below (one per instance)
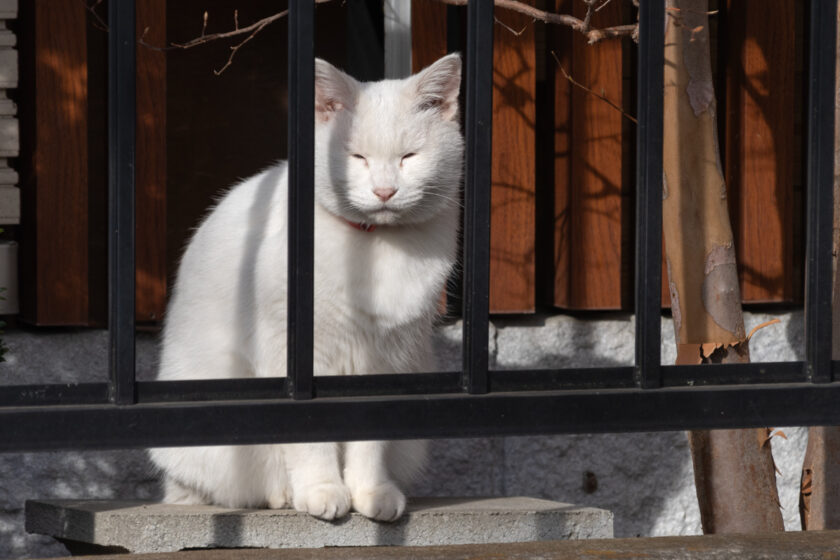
(596, 199)
(512, 228)
(760, 151)
(151, 163)
(55, 174)
(428, 32)
(560, 40)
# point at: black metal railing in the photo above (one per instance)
(474, 401)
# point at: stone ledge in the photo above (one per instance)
(141, 527)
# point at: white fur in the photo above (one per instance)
(376, 293)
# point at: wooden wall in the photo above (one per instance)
(562, 169)
(570, 215)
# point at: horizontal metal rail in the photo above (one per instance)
(570, 379)
(415, 416)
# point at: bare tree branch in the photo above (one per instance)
(581, 25)
(584, 26)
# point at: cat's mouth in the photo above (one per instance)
(384, 215)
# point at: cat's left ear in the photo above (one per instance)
(438, 85)
(334, 90)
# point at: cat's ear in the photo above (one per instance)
(437, 86)
(334, 90)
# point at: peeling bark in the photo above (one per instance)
(819, 497)
(820, 491)
(733, 469)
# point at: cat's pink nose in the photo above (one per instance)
(384, 193)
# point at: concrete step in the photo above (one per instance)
(89, 527)
(815, 545)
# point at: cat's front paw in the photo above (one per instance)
(384, 502)
(328, 501)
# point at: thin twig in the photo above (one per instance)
(509, 28)
(599, 8)
(98, 22)
(256, 26)
(235, 48)
(588, 90)
(204, 22)
(587, 19)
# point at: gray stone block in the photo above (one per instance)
(7, 106)
(9, 137)
(9, 278)
(8, 9)
(8, 68)
(8, 176)
(7, 37)
(9, 205)
(141, 527)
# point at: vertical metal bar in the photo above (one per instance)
(649, 195)
(479, 122)
(820, 208)
(301, 197)
(121, 150)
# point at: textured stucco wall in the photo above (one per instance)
(645, 479)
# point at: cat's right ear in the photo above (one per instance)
(334, 90)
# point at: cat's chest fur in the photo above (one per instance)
(385, 278)
(376, 293)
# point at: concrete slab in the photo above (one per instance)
(142, 527)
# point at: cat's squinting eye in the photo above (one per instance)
(359, 156)
(406, 156)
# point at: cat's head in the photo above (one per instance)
(388, 152)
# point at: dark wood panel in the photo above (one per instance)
(760, 146)
(428, 32)
(54, 239)
(512, 217)
(596, 180)
(222, 128)
(151, 163)
(219, 128)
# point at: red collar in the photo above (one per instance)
(361, 226)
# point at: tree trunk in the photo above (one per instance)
(733, 469)
(819, 497)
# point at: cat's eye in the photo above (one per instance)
(359, 156)
(406, 156)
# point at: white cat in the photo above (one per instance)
(388, 167)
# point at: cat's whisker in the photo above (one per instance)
(454, 201)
